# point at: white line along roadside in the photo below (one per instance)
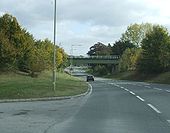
(140, 98)
(154, 108)
(91, 89)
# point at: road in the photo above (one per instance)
(112, 107)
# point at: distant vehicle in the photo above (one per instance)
(89, 78)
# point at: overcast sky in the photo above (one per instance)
(85, 22)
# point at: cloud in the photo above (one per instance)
(101, 12)
(85, 21)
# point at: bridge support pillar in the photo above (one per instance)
(114, 69)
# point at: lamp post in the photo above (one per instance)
(54, 52)
(72, 56)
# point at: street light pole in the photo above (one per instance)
(54, 52)
(72, 56)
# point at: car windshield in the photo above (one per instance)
(84, 66)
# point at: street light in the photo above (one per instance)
(54, 52)
(72, 56)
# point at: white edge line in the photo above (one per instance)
(140, 98)
(91, 89)
(154, 108)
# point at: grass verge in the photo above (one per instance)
(14, 86)
(163, 78)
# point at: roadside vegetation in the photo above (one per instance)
(144, 51)
(19, 50)
(14, 85)
(162, 78)
(26, 65)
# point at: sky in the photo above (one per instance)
(82, 23)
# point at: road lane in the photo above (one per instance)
(155, 94)
(111, 109)
(37, 117)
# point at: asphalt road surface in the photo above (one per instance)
(112, 107)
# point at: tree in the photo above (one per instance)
(129, 59)
(135, 33)
(7, 52)
(10, 32)
(19, 49)
(164, 56)
(153, 45)
(119, 47)
(99, 49)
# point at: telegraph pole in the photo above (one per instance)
(54, 52)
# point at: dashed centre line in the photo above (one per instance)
(140, 98)
(154, 108)
(132, 92)
(168, 91)
(126, 89)
(158, 89)
(168, 121)
(147, 86)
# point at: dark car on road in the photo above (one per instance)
(89, 78)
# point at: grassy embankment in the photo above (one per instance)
(18, 86)
(163, 78)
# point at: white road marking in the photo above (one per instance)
(147, 86)
(91, 89)
(116, 85)
(126, 89)
(158, 89)
(140, 98)
(111, 84)
(167, 90)
(132, 92)
(168, 121)
(122, 87)
(154, 108)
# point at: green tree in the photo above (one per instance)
(164, 56)
(119, 47)
(19, 49)
(129, 59)
(99, 49)
(154, 45)
(135, 33)
(7, 52)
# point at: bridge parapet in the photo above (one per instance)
(95, 57)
